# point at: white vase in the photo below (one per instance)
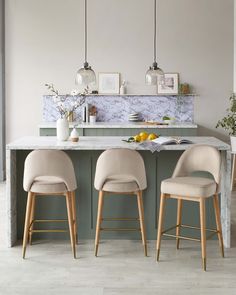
(122, 90)
(62, 129)
(74, 136)
(233, 143)
(92, 119)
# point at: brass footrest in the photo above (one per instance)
(119, 229)
(47, 230)
(164, 233)
(121, 219)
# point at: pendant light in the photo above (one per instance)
(86, 76)
(154, 71)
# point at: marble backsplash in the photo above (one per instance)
(117, 108)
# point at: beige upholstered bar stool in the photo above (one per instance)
(49, 172)
(120, 171)
(184, 186)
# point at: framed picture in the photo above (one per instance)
(108, 83)
(169, 84)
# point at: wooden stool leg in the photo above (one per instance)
(74, 216)
(99, 220)
(218, 223)
(179, 220)
(141, 220)
(203, 232)
(32, 213)
(70, 221)
(27, 221)
(160, 224)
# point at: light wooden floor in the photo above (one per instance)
(121, 268)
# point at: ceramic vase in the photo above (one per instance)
(74, 136)
(92, 119)
(62, 129)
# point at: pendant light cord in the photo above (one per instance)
(155, 29)
(85, 32)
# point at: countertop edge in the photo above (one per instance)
(102, 143)
(126, 125)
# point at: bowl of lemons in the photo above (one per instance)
(142, 136)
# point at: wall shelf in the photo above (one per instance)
(121, 95)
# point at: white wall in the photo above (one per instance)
(234, 46)
(44, 43)
(2, 106)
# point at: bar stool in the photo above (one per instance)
(120, 171)
(183, 186)
(49, 172)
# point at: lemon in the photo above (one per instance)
(152, 136)
(137, 138)
(143, 135)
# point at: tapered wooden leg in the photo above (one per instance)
(141, 220)
(32, 213)
(160, 224)
(218, 223)
(74, 216)
(99, 220)
(27, 221)
(179, 220)
(203, 232)
(70, 221)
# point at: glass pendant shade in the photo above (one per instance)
(153, 74)
(86, 77)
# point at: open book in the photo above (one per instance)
(171, 140)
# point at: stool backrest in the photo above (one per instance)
(199, 158)
(49, 163)
(120, 162)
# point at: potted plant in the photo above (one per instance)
(228, 122)
(92, 114)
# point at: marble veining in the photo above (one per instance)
(117, 108)
(101, 143)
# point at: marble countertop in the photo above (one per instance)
(120, 125)
(102, 143)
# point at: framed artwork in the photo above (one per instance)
(169, 84)
(108, 83)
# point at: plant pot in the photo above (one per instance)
(233, 143)
(62, 129)
(92, 119)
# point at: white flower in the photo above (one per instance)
(74, 92)
(56, 98)
(60, 104)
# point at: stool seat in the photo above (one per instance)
(48, 185)
(189, 186)
(120, 183)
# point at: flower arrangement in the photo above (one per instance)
(62, 106)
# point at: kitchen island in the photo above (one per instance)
(84, 155)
